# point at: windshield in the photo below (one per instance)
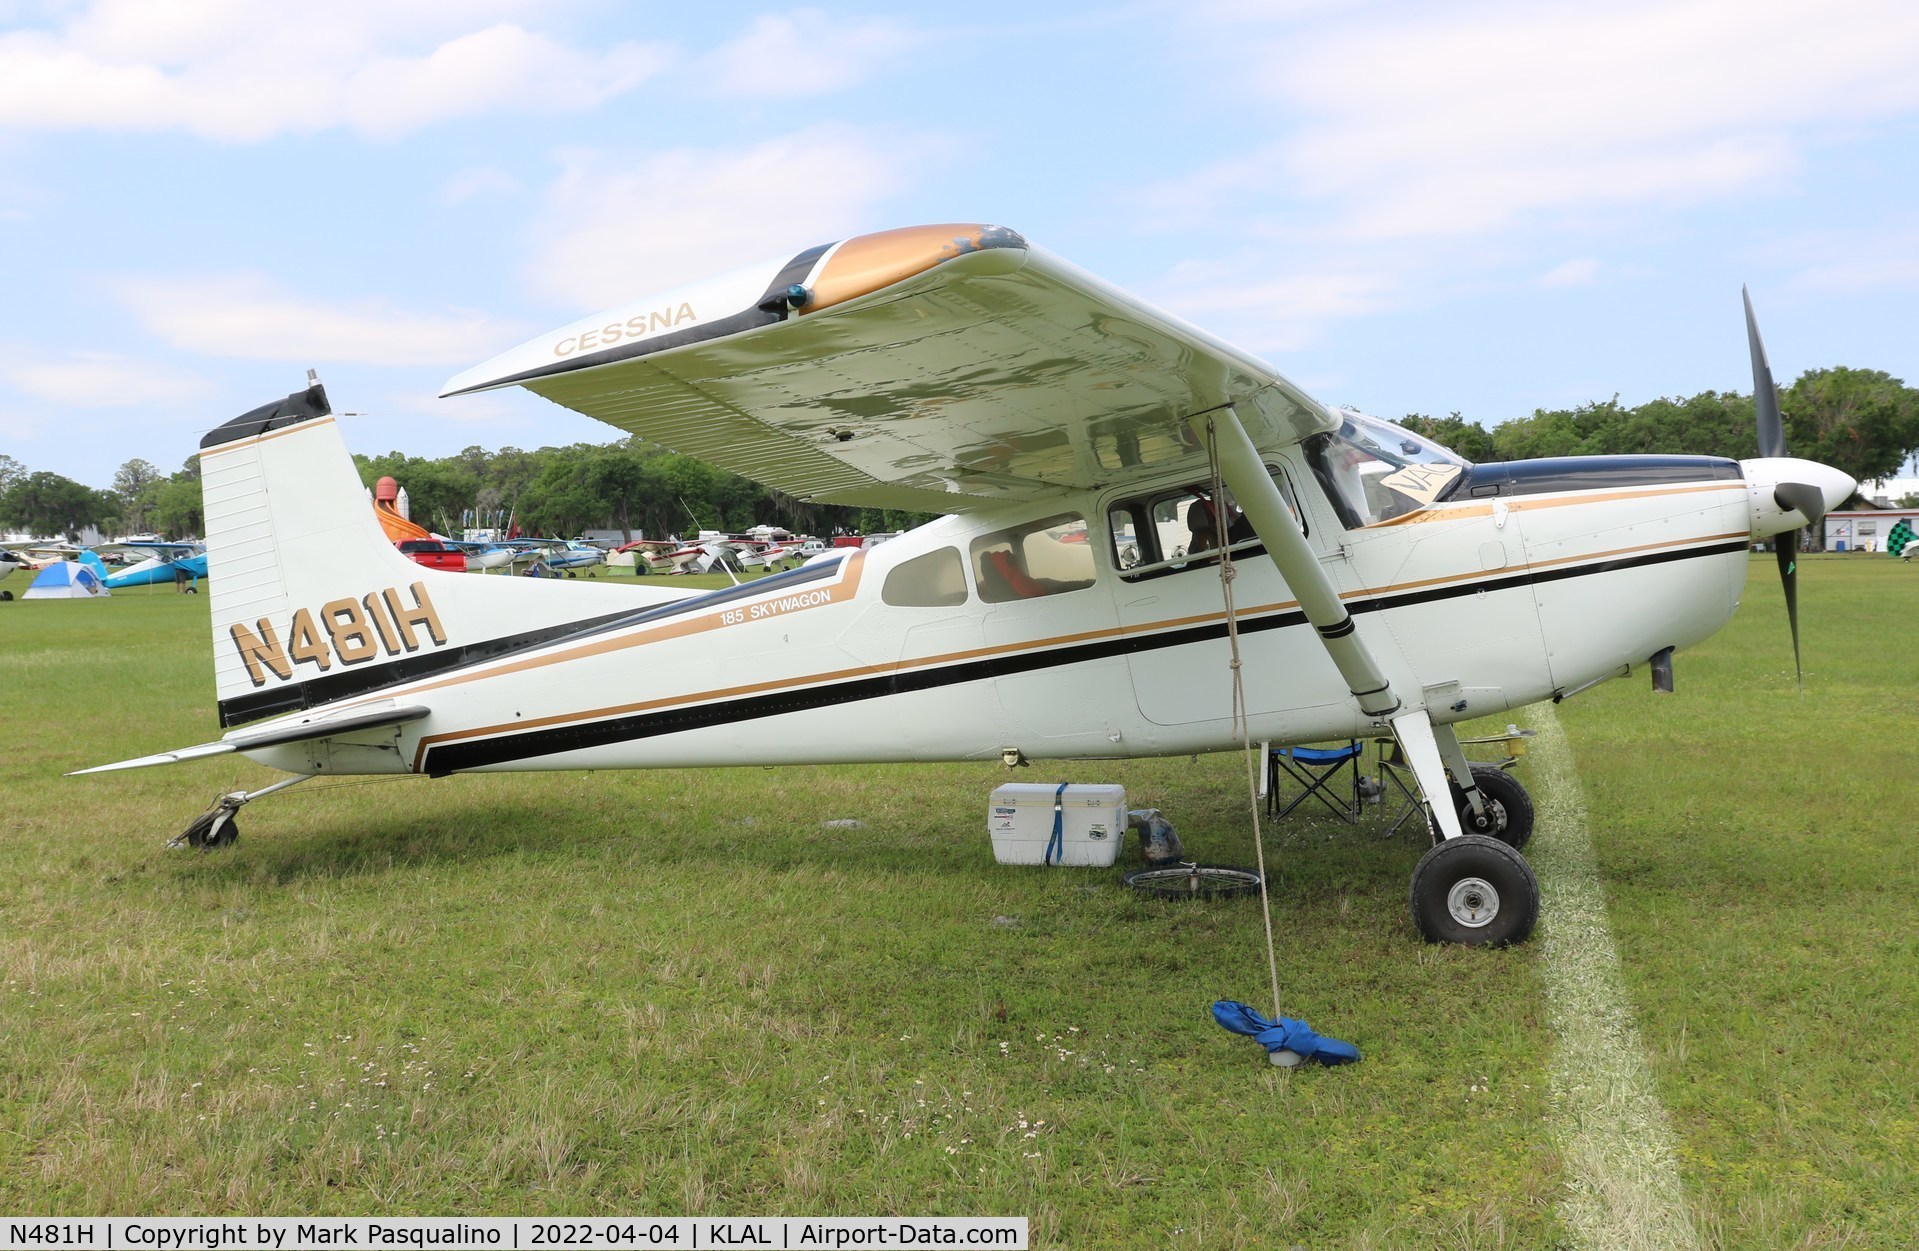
(1374, 471)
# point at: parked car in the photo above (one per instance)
(434, 554)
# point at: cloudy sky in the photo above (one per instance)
(1408, 207)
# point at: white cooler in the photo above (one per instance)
(1092, 823)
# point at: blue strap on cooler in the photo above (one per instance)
(1056, 845)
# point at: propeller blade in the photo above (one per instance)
(1765, 397)
(1808, 499)
(1785, 548)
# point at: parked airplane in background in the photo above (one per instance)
(164, 563)
(38, 554)
(569, 555)
(652, 555)
(486, 557)
(1384, 586)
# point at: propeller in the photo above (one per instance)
(1808, 500)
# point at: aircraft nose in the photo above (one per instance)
(1787, 492)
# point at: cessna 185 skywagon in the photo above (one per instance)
(1068, 604)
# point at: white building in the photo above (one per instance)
(1865, 530)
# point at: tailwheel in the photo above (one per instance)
(1474, 890)
(1508, 814)
(212, 830)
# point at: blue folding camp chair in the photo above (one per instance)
(1316, 770)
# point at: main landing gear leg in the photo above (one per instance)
(1453, 756)
(216, 828)
(1419, 744)
(1469, 888)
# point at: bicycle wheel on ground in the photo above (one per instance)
(1193, 881)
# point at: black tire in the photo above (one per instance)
(1509, 809)
(1476, 891)
(1193, 881)
(226, 836)
(199, 838)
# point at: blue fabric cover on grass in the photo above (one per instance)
(1284, 1034)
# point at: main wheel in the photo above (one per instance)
(1509, 809)
(1474, 890)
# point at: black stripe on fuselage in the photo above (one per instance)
(362, 681)
(507, 748)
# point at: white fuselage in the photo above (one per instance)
(1471, 607)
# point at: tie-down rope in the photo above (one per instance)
(1241, 722)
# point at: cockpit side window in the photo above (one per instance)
(1374, 472)
(1180, 528)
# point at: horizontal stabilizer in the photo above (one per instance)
(304, 730)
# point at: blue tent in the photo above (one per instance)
(66, 579)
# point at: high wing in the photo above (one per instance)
(937, 368)
(158, 547)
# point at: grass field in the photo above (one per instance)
(684, 993)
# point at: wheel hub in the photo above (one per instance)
(1473, 902)
(1490, 821)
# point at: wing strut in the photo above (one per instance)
(1240, 465)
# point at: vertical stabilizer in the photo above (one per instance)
(311, 601)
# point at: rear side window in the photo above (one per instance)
(935, 580)
(1039, 558)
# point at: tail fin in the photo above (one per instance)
(312, 603)
(91, 559)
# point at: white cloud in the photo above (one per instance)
(619, 227)
(482, 180)
(806, 53)
(237, 71)
(1578, 273)
(245, 316)
(1248, 302)
(1848, 264)
(1422, 122)
(503, 69)
(103, 380)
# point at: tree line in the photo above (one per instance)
(638, 488)
(1862, 421)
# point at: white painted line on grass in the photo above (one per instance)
(1615, 1143)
